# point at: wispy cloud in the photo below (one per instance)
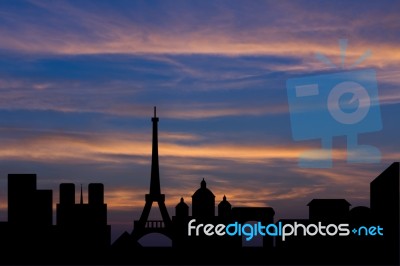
(108, 31)
(113, 147)
(111, 99)
(56, 147)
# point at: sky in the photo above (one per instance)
(79, 79)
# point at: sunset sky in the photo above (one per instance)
(79, 79)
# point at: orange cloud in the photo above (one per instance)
(214, 42)
(107, 148)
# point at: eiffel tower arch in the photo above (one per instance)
(144, 226)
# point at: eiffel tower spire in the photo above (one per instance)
(155, 171)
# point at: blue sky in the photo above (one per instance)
(79, 79)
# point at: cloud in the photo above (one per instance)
(23, 95)
(55, 147)
(298, 31)
(185, 87)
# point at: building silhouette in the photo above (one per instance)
(360, 246)
(203, 211)
(84, 221)
(203, 202)
(384, 202)
(29, 227)
(182, 210)
(328, 209)
(81, 235)
(26, 204)
(225, 210)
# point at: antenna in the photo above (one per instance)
(155, 111)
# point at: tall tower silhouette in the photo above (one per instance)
(145, 226)
(155, 171)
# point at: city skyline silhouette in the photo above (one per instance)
(78, 83)
(82, 233)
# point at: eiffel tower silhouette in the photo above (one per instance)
(145, 226)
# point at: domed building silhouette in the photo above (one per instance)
(224, 209)
(179, 223)
(203, 202)
(203, 212)
(182, 210)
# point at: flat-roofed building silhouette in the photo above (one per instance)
(21, 198)
(328, 209)
(30, 216)
(26, 204)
